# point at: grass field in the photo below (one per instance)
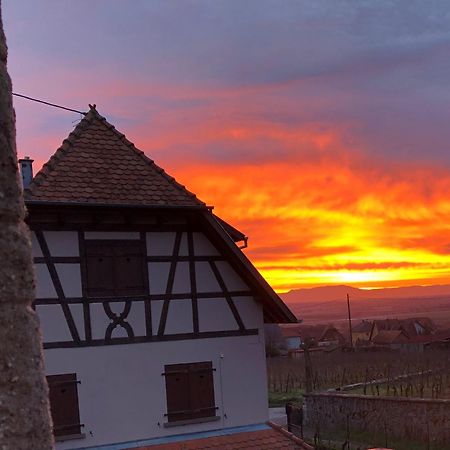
(277, 399)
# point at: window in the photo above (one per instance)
(190, 391)
(63, 395)
(115, 268)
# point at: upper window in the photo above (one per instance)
(115, 268)
(63, 395)
(189, 391)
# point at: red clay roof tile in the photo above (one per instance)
(269, 439)
(96, 164)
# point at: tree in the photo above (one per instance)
(25, 422)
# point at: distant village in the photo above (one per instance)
(415, 334)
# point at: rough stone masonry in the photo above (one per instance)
(24, 411)
(416, 419)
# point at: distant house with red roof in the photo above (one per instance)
(401, 334)
(361, 332)
(152, 317)
(390, 338)
(317, 335)
(413, 326)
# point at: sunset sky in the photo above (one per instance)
(321, 129)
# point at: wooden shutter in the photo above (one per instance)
(63, 394)
(201, 387)
(99, 269)
(177, 392)
(115, 268)
(129, 269)
(189, 391)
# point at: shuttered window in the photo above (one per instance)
(189, 391)
(115, 268)
(63, 395)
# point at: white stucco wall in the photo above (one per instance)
(122, 393)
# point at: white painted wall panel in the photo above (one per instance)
(183, 245)
(53, 323)
(179, 317)
(35, 247)
(44, 284)
(160, 243)
(111, 235)
(158, 273)
(123, 385)
(78, 318)
(206, 280)
(214, 314)
(232, 280)
(182, 281)
(203, 246)
(136, 318)
(250, 311)
(70, 278)
(62, 243)
(156, 307)
(99, 321)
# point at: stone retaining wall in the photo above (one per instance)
(416, 419)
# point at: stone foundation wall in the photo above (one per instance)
(416, 419)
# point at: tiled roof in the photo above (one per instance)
(362, 327)
(390, 337)
(96, 164)
(316, 332)
(274, 438)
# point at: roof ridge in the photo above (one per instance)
(142, 154)
(59, 154)
(39, 186)
(290, 435)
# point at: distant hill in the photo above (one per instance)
(329, 303)
(340, 293)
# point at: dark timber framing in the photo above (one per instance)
(169, 287)
(141, 339)
(183, 224)
(120, 319)
(58, 287)
(194, 294)
(86, 305)
(228, 297)
(147, 306)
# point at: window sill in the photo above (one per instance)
(191, 421)
(70, 437)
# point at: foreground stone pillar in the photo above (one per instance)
(25, 422)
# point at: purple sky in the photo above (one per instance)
(347, 91)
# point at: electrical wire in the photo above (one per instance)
(49, 104)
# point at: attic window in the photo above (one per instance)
(115, 268)
(190, 393)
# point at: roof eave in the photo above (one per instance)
(275, 310)
(115, 205)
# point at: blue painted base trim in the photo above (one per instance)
(178, 438)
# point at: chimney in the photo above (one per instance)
(26, 169)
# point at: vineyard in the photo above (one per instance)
(404, 374)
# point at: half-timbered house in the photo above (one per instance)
(152, 316)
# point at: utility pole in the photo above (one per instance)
(350, 322)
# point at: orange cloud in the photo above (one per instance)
(331, 221)
(318, 207)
